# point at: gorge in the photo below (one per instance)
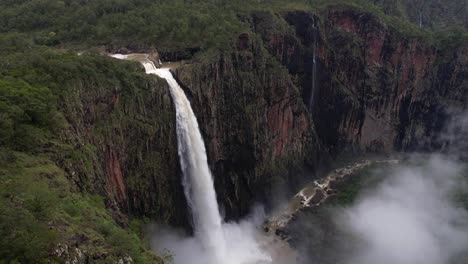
(268, 105)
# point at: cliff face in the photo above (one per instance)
(253, 121)
(352, 83)
(295, 89)
(125, 146)
(370, 88)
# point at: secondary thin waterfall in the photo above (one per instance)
(314, 68)
(197, 180)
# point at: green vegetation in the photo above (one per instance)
(35, 83)
(460, 194)
(26, 113)
(434, 14)
(50, 185)
(354, 185)
(182, 24)
(41, 206)
(40, 210)
(199, 24)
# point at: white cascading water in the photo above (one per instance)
(212, 234)
(197, 179)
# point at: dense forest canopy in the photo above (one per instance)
(199, 24)
(435, 14)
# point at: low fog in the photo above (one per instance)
(410, 218)
(245, 243)
(412, 215)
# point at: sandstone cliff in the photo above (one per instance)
(255, 126)
(124, 145)
(349, 82)
(372, 87)
(295, 89)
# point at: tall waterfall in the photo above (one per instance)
(215, 242)
(197, 179)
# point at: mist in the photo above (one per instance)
(410, 218)
(413, 216)
(245, 243)
(414, 212)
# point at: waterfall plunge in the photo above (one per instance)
(212, 237)
(197, 180)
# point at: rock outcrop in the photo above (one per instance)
(353, 83)
(125, 145)
(254, 123)
(284, 96)
(369, 87)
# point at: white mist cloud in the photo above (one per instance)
(410, 218)
(243, 244)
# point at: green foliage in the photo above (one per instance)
(38, 210)
(397, 23)
(119, 23)
(358, 183)
(46, 94)
(13, 42)
(433, 14)
(181, 24)
(460, 194)
(26, 112)
(451, 38)
(39, 205)
(26, 206)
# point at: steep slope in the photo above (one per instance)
(365, 84)
(435, 14)
(88, 151)
(256, 128)
(88, 144)
(372, 87)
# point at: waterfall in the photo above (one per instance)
(314, 81)
(197, 180)
(314, 67)
(215, 242)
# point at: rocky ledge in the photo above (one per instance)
(316, 193)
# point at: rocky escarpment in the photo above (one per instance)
(364, 85)
(296, 87)
(316, 193)
(369, 87)
(124, 145)
(254, 123)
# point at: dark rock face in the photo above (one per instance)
(370, 87)
(253, 121)
(293, 90)
(126, 147)
(352, 84)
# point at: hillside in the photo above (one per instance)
(88, 144)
